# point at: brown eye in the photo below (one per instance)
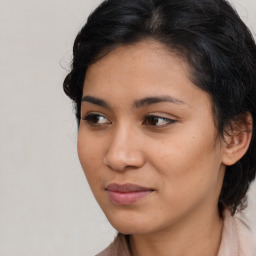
(157, 121)
(96, 119)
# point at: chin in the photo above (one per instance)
(130, 223)
(130, 228)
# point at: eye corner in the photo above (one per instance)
(96, 119)
(158, 121)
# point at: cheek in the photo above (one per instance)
(89, 154)
(189, 177)
(186, 162)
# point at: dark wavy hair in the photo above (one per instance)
(214, 41)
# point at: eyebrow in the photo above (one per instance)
(153, 100)
(96, 101)
(137, 104)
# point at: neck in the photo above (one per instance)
(192, 237)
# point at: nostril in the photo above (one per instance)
(124, 150)
(120, 161)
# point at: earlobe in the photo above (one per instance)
(237, 139)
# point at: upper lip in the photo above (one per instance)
(127, 187)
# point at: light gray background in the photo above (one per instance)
(46, 207)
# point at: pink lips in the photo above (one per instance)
(127, 193)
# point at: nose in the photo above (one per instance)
(125, 150)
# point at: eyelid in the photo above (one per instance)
(92, 113)
(169, 121)
(97, 122)
(163, 115)
(95, 114)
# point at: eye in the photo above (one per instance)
(95, 119)
(157, 121)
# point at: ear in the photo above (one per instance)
(237, 139)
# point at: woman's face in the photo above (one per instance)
(147, 141)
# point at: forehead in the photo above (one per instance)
(139, 70)
(147, 51)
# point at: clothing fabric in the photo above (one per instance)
(236, 240)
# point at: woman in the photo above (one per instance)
(165, 97)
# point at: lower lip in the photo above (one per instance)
(127, 198)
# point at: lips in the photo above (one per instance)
(126, 194)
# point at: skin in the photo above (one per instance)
(179, 154)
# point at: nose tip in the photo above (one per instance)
(120, 161)
(123, 154)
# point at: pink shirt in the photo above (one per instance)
(237, 240)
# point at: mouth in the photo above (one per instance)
(126, 194)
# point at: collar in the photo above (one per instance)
(236, 239)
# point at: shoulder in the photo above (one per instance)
(118, 248)
(246, 237)
(237, 237)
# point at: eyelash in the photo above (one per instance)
(89, 119)
(149, 118)
(153, 118)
